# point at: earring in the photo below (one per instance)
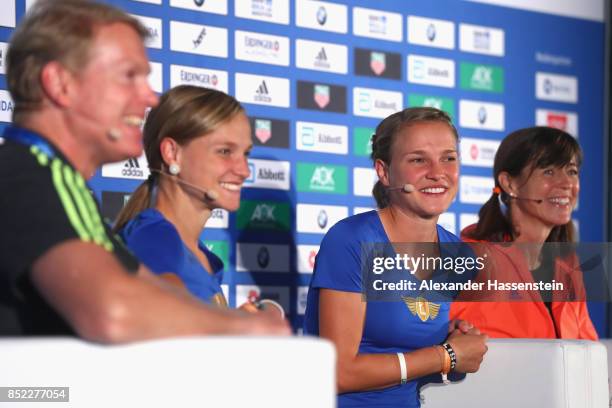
(174, 169)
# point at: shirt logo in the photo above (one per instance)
(321, 95)
(422, 308)
(377, 62)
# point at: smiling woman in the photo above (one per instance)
(197, 142)
(385, 347)
(536, 189)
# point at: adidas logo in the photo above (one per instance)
(131, 168)
(261, 94)
(321, 59)
(322, 56)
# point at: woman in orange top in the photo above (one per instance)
(536, 188)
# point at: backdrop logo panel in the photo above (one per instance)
(321, 56)
(135, 168)
(205, 78)
(558, 88)
(431, 71)
(377, 24)
(3, 47)
(445, 104)
(6, 106)
(567, 121)
(321, 96)
(262, 258)
(322, 178)
(318, 219)
(209, 6)
(321, 137)
(481, 115)
(271, 11)
(362, 141)
(269, 132)
(270, 174)
(154, 28)
(263, 48)
(475, 189)
(198, 39)
(378, 64)
(363, 181)
(321, 15)
(482, 40)
(218, 219)
(306, 255)
(219, 248)
(262, 90)
(478, 152)
(376, 103)
(478, 77)
(264, 215)
(431, 32)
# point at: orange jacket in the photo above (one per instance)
(529, 319)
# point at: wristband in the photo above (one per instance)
(451, 354)
(403, 372)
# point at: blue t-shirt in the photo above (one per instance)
(389, 327)
(156, 242)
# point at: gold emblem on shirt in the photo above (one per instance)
(422, 308)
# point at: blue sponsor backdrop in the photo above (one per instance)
(531, 43)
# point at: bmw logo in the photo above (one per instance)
(322, 219)
(263, 257)
(482, 115)
(199, 3)
(321, 15)
(431, 32)
(547, 86)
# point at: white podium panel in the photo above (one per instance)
(186, 372)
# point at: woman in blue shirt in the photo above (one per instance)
(383, 347)
(196, 142)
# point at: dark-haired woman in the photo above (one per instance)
(536, 188)
(384, 347)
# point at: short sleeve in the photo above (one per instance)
(338, 264)
(157, 245)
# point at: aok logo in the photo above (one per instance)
(263, 213)
(323, 179)
(131, 168)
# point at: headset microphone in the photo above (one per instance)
(209, 195)
(535, 200)
(406, 188)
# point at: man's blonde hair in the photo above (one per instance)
(55, 30)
